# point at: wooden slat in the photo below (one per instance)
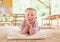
(40, 41)
(21, 41)
(43, 3)
(11, 40)
(31, 40)
(43, 40)
(54, 37)
(4, 39)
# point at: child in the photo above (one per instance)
(29, 24)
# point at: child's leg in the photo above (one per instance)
(32, 31)
(24, 31)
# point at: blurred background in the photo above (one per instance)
(12, 11)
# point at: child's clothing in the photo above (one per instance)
(34, 26)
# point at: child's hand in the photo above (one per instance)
(29, 24)
(26, 24)
(34, 19)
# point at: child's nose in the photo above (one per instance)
(30, 16)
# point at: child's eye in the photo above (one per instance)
(28, 14)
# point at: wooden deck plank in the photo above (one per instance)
(4, 39)
(40, 40)
(21, 41)
(31, 40)
(55, 37)
(11, 40)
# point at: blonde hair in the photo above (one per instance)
(30, 9)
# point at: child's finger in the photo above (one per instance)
(33, 19)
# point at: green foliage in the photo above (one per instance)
(43, 14)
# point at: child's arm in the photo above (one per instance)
(31, 30)
(25, 29)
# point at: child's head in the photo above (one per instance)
(30, 14)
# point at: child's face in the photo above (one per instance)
(30, 15)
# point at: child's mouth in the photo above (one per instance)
(30, 19)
